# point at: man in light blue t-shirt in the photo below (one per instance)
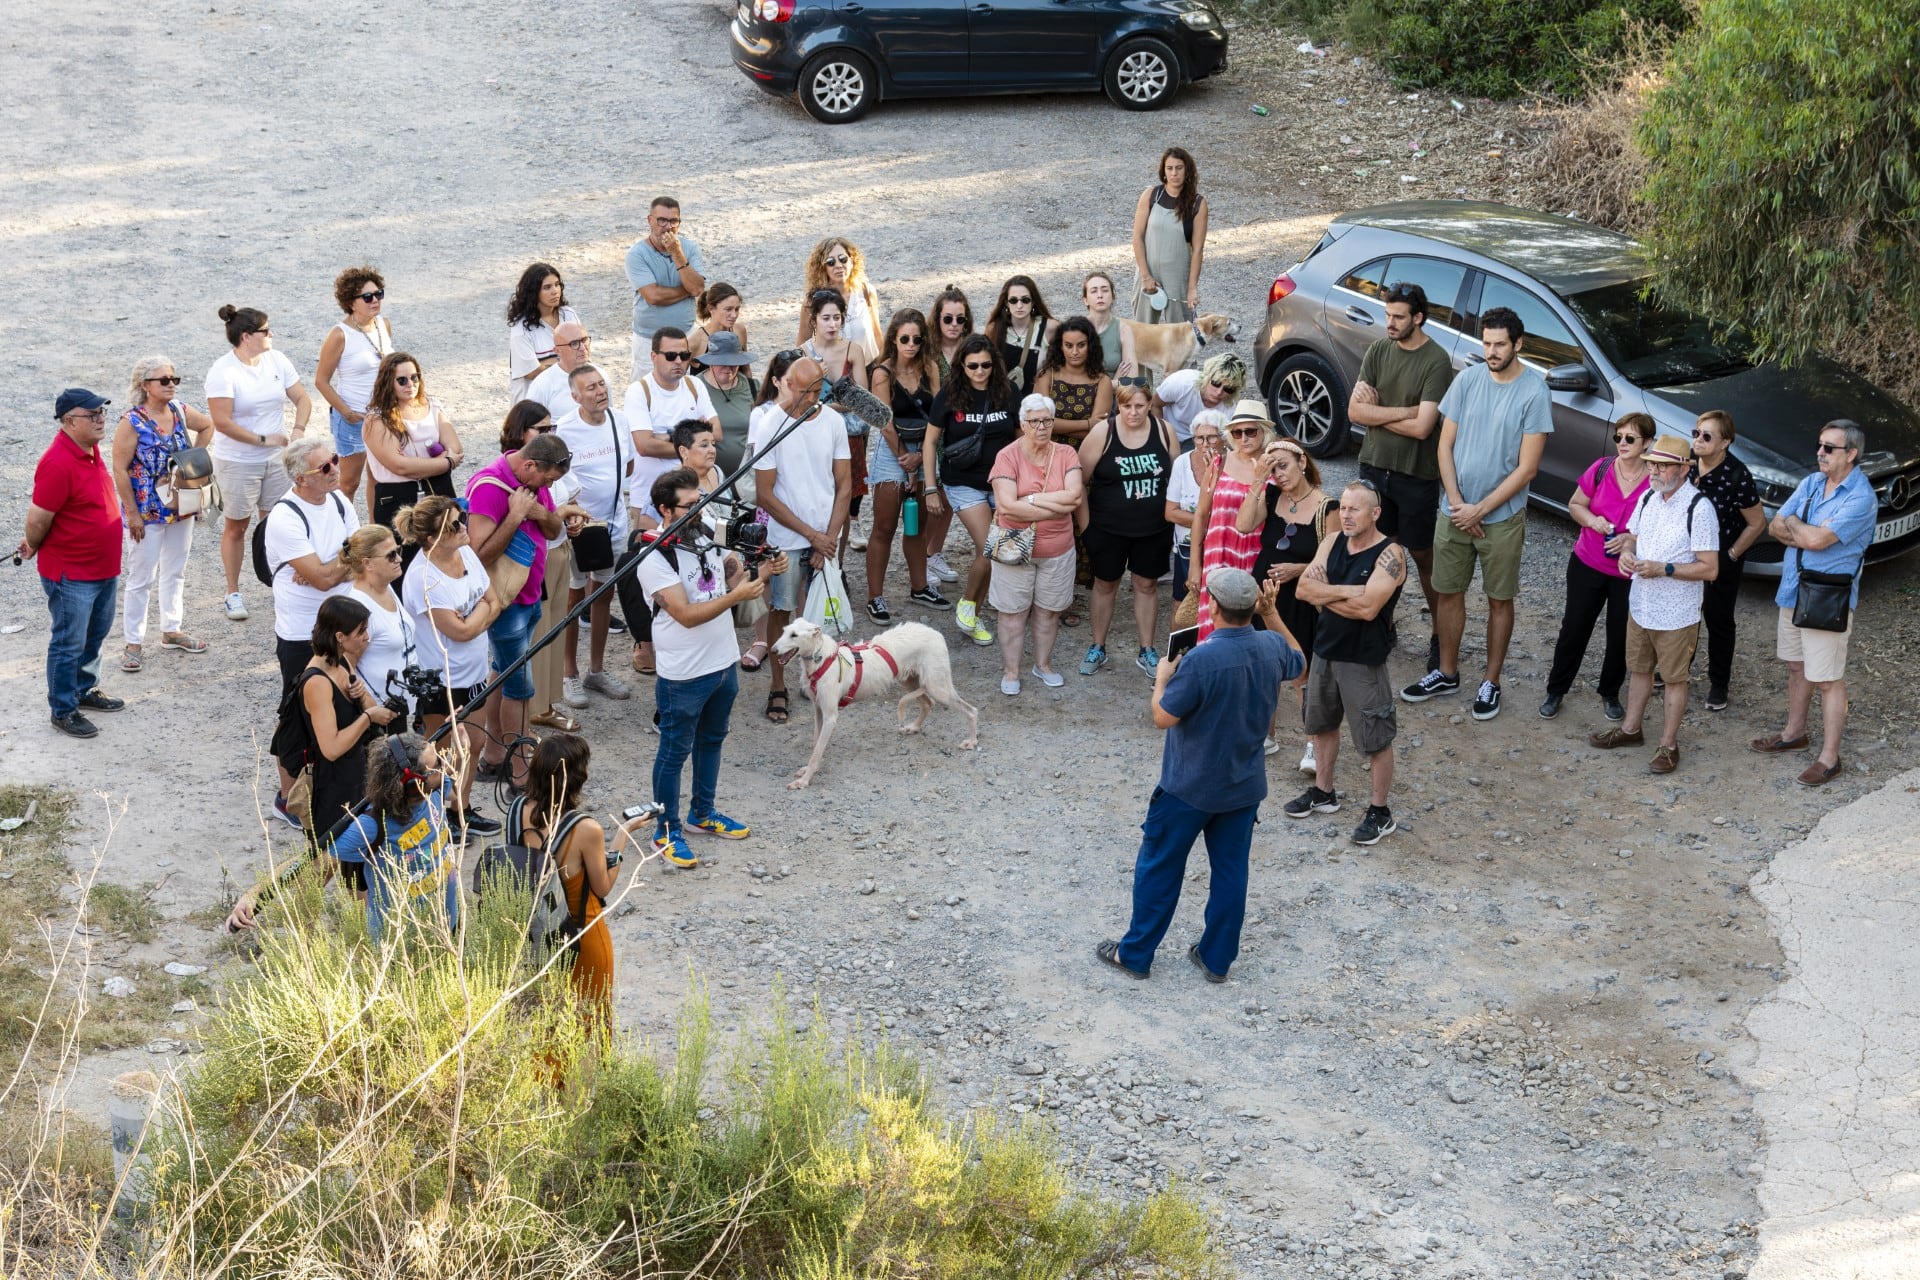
(1494, 424)
(666, 272)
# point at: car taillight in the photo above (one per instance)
(1282, 286)
(773, 10)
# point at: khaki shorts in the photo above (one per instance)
(1822, 653)
(1356, 692)
(247, 488)
(1498, 552)
(1045, 584)
(1668, 652)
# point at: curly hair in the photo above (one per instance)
(817, 277)
(1000, 317)
(386, 400)
(890, 348)
(347, 285)
(524, 309)
(397, 777)
(1057, 350)
(147, 367)
(825, 296)
(999, 389)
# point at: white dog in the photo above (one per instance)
(911, 656)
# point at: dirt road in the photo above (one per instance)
(1492, 1046)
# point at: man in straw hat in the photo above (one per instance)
(1672, 552)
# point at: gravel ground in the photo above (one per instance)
(1497, 1044)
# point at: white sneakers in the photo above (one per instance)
(608, 685)
(573, 691)
(237, 607)
(937, 566)
(1308, 765)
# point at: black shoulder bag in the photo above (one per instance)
(1822, 600)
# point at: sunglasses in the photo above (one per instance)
(171, 380)
(1627, 437)
(265, 333)
(1138, 380)
(1285, 539)
(405, 379)
(981, 366)
(1831, 448)
(1211, 439)
(839, 260)
(326, 468)
(908, 340)
(373, 295)
(1703, 435)
(1019, 300)
(1243, 433)
(676, 357)
(1368, 485)
(392, 556)
(956, 320)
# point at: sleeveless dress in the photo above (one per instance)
(1110, 348)
(1303, 543)
(1074, 400)
(1225, 547)
(1021, 354)
(593, 961)
(153, 453)
(1169, 258)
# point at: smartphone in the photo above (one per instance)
(1181, 641)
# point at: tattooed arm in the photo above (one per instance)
(1366, 602)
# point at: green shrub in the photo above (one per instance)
(1785, 182)
(1504, 48)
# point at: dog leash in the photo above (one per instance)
(859, 669)
(1198, 336)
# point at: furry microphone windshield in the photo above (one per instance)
(856, 402)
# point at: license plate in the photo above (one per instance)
(1896, 528)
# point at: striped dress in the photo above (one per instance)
(1225, 547)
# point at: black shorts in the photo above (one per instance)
(355, 874)
(437, 703)
(1110, 555)
(1408, 506)
(293, 656)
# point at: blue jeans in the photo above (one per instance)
(507, 640)
(1168, 834)
(82, 615)
(693, 721)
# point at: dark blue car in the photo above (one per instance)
(842, 56)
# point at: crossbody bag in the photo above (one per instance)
(1823, 600)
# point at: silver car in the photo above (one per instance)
(1604, 347)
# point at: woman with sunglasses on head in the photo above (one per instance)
(906, 378)
(1183, 490)
(402, 842)
(716, 310)
(1127, 460)
(1291, 515)
(1074, 378)
(973, 418)
(837, 265)
(1602, 501)
(1223, 488)
(1022, 326)
(1169, 241)
(539, 306)
(350, 356)
(149, 436)
(452, 603)
(412, 446)
(1116, 343)
(248, 390)
(841, 356)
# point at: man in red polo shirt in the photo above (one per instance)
(73, 531)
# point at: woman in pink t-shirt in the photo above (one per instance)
(1037, 486)
(1600, 506)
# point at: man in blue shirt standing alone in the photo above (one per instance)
(666, 272)
(1215, 703)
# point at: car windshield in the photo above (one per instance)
(1654, 345)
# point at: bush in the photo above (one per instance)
(1505, 48)
(1785, 167)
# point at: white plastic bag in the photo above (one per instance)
(827, 605)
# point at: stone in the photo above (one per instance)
(1459, 1090)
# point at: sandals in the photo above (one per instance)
(183, 642)
(755, 657)
(1108, 953)
(645, 670)
(1068, 618)
(130, 659)
(554, 718)
(777, 713)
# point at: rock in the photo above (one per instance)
(1459, 1090)
(184, 1006)
(1030, 1069)
(180, 970)
(866, 888)
(117, 987)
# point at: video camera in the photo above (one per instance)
(421, 685)
(741, 532)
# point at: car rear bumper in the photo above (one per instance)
(763, 60)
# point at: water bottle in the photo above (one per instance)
(910, 516)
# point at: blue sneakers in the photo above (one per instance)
(719, 824)
(672, 848)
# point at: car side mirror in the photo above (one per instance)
(1569, 377)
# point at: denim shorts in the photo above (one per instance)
(961, 497)
(882, 466)
(507, 640)
(788, 591)
(347, 439)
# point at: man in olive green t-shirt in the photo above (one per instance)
(1402, 378)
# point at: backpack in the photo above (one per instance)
(264, 569)
(1698, 498)
(551, 925)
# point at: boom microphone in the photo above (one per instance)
(858, 403)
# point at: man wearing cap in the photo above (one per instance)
(1215, 703)
(1355, 581)
(1672, 552)
(572, 348)
(73, 537)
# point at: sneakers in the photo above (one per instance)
(967, 617)
(719, 824)
(1051, 679)
(236, 607)
(1612, 710)
(1010, 686)
(474, 822)
(1096, 658)
(878, 611)
(280, 812)
(673, 850)
(1717, 698)
(856, 537)
(930, 598)
(75, 725)
(573, 692)
(608, 685)
(1271, 747)
(1430, 685)
(1486, 703)
(1309, 765)
(1148, 661)
(1551, 707)
(1311, 801)
(1378, 822)
(616, 625)
(937, 566)
(94, 700)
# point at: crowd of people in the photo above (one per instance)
(1065, 463)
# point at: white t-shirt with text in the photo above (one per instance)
(681, 653)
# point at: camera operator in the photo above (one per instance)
(698, 660)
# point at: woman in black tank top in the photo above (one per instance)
(906, 377)
(1128, 460)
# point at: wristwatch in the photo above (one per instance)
(1669, 568)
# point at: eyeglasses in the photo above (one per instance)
(405, 379)
(839, 260)
(1211, 439)
(578, 344)
(981, 366)
(1627, 437)
(89, 415)
(1038, 421)
(677, 357)
(666, 224)
(373, 295)
(171, 380)
(1831, 448)
(1019, 300)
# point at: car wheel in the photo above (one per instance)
(838, 86)
(1309, 403)
(1142, 75)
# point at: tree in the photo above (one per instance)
(1784, 188)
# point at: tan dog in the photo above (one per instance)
(1164, 348)
(910, 657)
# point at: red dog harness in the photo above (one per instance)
(859, 668)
